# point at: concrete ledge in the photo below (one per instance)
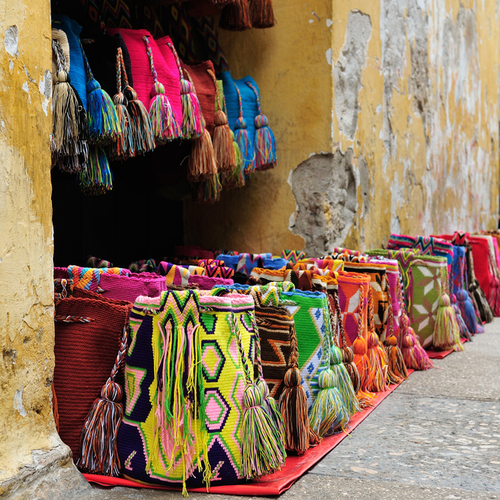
(51, 475)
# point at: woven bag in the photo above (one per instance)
(129, 288)
(87, 339)
(214, 407)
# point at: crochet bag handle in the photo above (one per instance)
(217, 94)
(177, 60)
(257, 98)
(60, 57)
(151, 61)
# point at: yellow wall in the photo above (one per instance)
(26, 248)
(423, 154)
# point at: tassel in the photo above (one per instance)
(345, 385)
(104, 127)
(193, 124)
(236, 178)
(202, 158)
(241, 136)
(142, 130)
(494, 298)
(98, 178)
(397, 371)
(262, 14)
(236, 17)
(69, 130)
(446, 334)
(223, 142)
(362, 364)
(464, 303)
(209, 189)
(328, 412)
(378, 364)
(480, 299)
(261, 451)
(348, 360)
(70, 151)
(272, 409)
(462, 327)
(192, 118)
(293, 407)
(123, 148)
(163, 120)
(99, 454)
(265, 143)
(414, 354)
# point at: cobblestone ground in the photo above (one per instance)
(436, 437)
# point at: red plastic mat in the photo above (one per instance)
(442, 354)
(273, 484)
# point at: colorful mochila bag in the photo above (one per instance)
(185, 380)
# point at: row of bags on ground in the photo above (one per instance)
(229, 365)
(156, 99)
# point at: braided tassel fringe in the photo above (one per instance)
(99, 454)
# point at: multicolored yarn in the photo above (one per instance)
(265, 143)
(308, 311)
(175, 275)
(217, 271)
(293, 256)
(426, 245)
(164, 433)
(98, 450)
(244, 262)
(63, 288)
(242, 139)
(142, 266)
(353, 300)
(89, 278)
(97, 179)
(104, 126)
(379, 292)
(97, 262)
(140, 124)
(192, 118)
(163, 118)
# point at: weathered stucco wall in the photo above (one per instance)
(386, 117)
(27, 430)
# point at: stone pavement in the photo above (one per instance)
(436, 437)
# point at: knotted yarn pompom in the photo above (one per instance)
(467, 310)
(344, 382)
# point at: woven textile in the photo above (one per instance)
(216, 271)
(353, 300)
(205, 90)
(275, 326)
(327, 264)
(293, 256)
(427, 282)
(84, 356)
(221, 388)
(165, 65)
(129, 288)
(308, 311)
(426, 245)
(380, 292)
(207, 283)
(90, 277)
(175, 275)
(244, 262)
(76, 68)
(482, 262)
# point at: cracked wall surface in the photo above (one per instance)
(408, 89)
(26, 243)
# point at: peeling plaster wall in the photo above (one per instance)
(406, 90)
(27, 430)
